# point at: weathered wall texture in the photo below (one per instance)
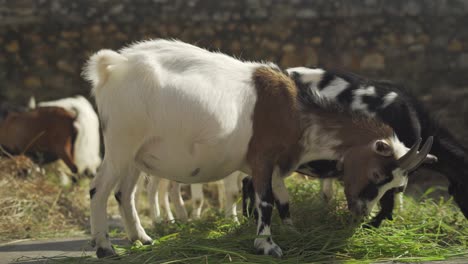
(44, 43)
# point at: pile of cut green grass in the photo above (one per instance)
(423, 231)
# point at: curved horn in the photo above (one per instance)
(421, 156)
(405, 160)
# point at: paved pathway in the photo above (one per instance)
(30, 251)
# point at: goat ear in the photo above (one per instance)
(382, 148)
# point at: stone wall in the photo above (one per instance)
(44, 43)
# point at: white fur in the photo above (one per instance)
(400, 178)
(326, 187)
(335, 87)
(262, 243)
(389, 99)
(324, 141)
(399, 149)
(186, 107)
(307, 75)
(152, 189)
(319, 144)
(314, 76)
(358, 104)
(277, 184)
(399, 201)
(180, 112)
(170, 109)
(230, 192)
(280, 191)
(176, 198)
(87, 142)
(196, 190)
(232, 187)
(311, 77)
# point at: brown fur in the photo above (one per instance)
(280, 119)
(357, 134)
(363, 157)
(276, 125)
(44, 129)
(351, 129)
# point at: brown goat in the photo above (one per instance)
(46, 130)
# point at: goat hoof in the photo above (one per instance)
(268, 247)
(275, 252)
(144, 239)
(147, 239)
(106, 253)
(148, 242)
(372, 224)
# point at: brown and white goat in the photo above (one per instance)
(181, 112)
(87, 143)
(49, 131)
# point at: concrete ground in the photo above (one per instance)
(37, 251)
(30, 251)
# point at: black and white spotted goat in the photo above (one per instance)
(396, 107)
(174, 110)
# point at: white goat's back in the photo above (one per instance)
(174, 109)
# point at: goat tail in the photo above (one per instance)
(99, 67)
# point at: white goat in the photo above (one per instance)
(160, 190)
(87, 143)
(172, 109)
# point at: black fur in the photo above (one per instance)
(373, 103)
(326, 80)
(248, 198)
(387, 203)
(266, 213)
(345, 98)
(283, 210)
(118, 197)
(106, 253)
(410, 120)
(322, 168)
(92, 192)
(369, 192)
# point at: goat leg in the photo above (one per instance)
(264, 202)
(248, 198)
(387, 203)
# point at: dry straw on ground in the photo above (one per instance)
(32, 204)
